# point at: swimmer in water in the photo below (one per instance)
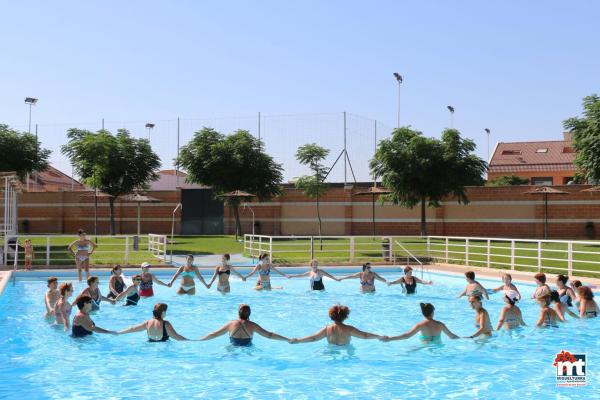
(430, 329)
(507, 286)
(542, 289)
(316, 276)
(63, 307)
(82, 323)
(367, 278)
(510, 316)
(482, 318)
(548, 316)
(223, 272)
(146, 285)
(116, 284)
(51, 297)
(157, 328)
(93, 291)
(588, 307)
(264, 268)
(187, 272)
(242, 329)
(132, 292)
(337, 333)
(473, 287)
(408, 281)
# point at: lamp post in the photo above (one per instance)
(487, 131)
(149, 127)
(399, 79)
(451, 109)
(32, 102)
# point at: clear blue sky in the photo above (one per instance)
(517, 68)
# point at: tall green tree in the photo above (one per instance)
(227, 163)
(313, 186)
(21, 152)
(115, 164)
(422, 170)
(586, 138)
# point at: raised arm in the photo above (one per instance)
(135, 328)
(327, 274)
(125, 292)
(499, 288)
(363, 335)
(242, 277)
(200, 277)
(299, 275)
(353, 276)
(379, 278)
(422, 281)
(254, 270)
(407, 334)
(312, 338)
(219, 332)
(483, 291)
(70, 247)
(158, 281)
(397, 281)
(278, 271)
(179, 271)
(269, 335)
(172, 332)
(449, 333)
(94, 246)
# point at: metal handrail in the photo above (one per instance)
(411, 255)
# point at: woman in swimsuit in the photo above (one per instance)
(116, 284)
(157, 328)
(264, 268)
(430, 329)
(133, 297)
(223, 271)
(148, 280)
(482, 318)
(542, 288)
(337, 333)
(93, 291)
(409, 282)
(82, 323)
(588, 307)
(187, 273)
(316, 276)
(28, 253)
(548, 316)
(576, 284)
(561, 305)
(63, 307)
(241, 330)
(510, 316)
(473, 287)
(507, 286)
(51, 297)
(85, 248)
(367, 279)
(566, 294)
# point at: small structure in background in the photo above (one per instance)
(373, 191)
(545, 191)
(53, 180)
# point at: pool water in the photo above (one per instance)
(40, 361)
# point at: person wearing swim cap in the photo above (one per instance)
(506, 286)
(148, 279)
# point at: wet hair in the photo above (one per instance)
(339, 313)
(82, 300)
(263, 256)
(427, 309)
(540, 277)
(470, 275)
(509, 276)
(135, 277)
(114, 268)
(554, 297)
(562, 278)
(190, 256)
(314, 261)
(510, 301)
(159, 309)
(366, 265)
(52, 279)
(227, 256)
(585, 292)
(576, 283)
(244, 311)
(91, 280)
(407, 268)
(81, 232)
(65, 287)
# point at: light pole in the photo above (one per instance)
(488, 142)
(149, 127)
(399, 79)
(32, 102)
(451, 109)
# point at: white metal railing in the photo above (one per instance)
(410, 255)
(52, 249)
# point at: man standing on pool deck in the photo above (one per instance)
(473, 287)
(82, 323)
(147, 281)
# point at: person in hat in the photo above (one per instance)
(510, 316)
(430, 329)
(148, 279)
(506, 286)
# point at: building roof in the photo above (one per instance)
(551, 155)
(167, 180)
(52, 180)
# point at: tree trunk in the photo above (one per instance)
(238, 225)
(319, 218)
(111, 202)
(423, 218)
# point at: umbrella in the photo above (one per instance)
(139, 198)
(373, 191)
(592, 189)
(545, 190)
(238, 194)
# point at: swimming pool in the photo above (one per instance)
(39, 361)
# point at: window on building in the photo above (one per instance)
(511, 152)
(568, 149)
(542, 181)
(541, 151)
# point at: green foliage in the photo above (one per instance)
(115, 164)
(508, 180)
(21, 152)
(313, 185)
(425, 170)
(586, 138)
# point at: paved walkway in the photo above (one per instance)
(213, 260)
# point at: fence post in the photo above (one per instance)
(260, 245)
(447, 261)
(428, 247)
(512, 255)
(539, 255)
(271, 248)
(312, 248)
(127, 250)
(569, 258)
(352, 249)
(467, 251)
(488, 253)
(48, 250)
(5, 250)
(392, 255)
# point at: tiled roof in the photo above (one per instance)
(167, 180)
(53, 180)
(533, 156)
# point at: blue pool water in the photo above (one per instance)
(39, 361)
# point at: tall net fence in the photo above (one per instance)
(281, 134)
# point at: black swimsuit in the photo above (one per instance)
(132, 299)
(165, 335)
(243, 342)
(411, 288)
(79, 331)
(119, 287)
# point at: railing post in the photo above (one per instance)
(127, 250)
(467, 251)
(271, 248)
(539, 256)
(312, 248)
(352, 249)
(392, 255)
(488, 253)
(5, 250)
(251, 245)
(48, 250)
(428, 247)
(512, 255)
(260, 245)
(570, 258)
